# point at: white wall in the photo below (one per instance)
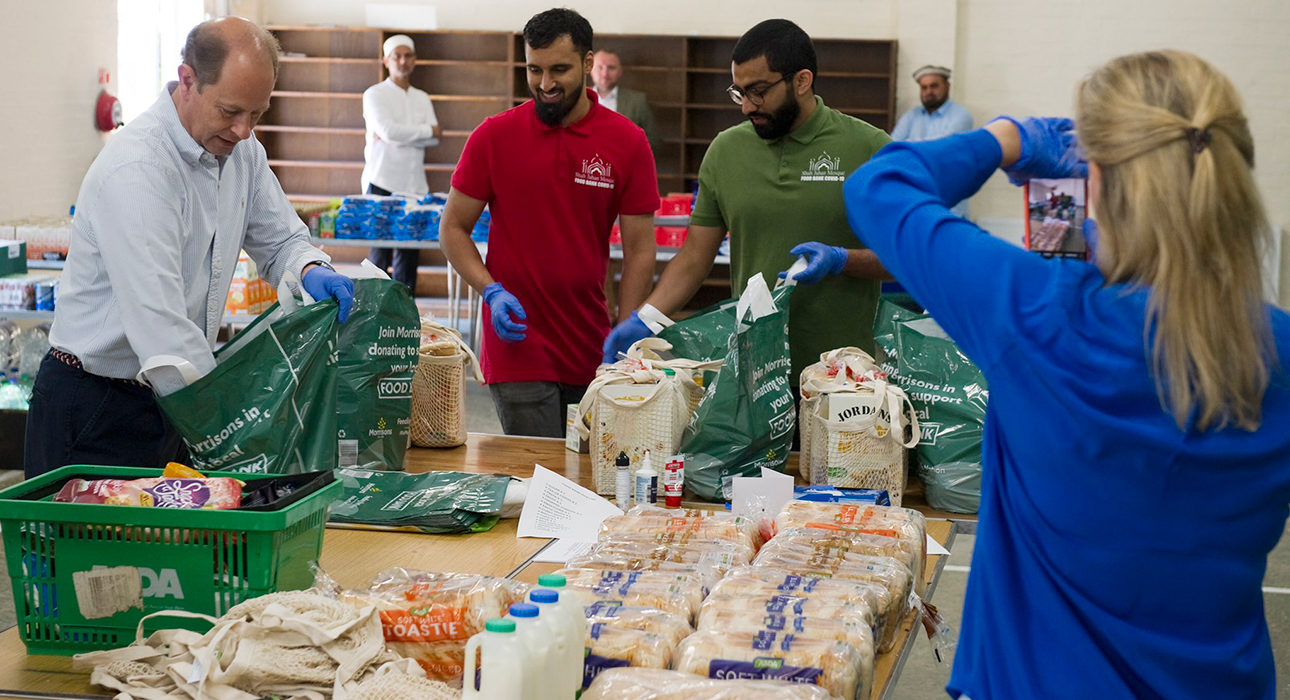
(47, 134)
(926, 33)
(1027, 57)
(844, 19)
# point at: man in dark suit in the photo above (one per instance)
(605, 74)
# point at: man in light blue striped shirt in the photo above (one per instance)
(937, 117)
(161, 216)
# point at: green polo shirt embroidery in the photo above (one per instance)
(772, 195)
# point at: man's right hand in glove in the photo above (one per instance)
(622, 337)
(504, 306)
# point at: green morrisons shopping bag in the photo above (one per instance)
(705, 336)
(269, 406)
(378, 355)
(432, 502)
(949, 394)
(745, 420)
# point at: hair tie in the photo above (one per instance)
(1199, 138)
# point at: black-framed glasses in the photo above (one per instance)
(755, 95)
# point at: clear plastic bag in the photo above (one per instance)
(724, 526)
(775, 590)
(804, 513)
(875, 542)
(721, 556)
(657, 622)
(614, 647)
(706, 574)
(892, 521)
(759, 529)
(835, 666)
(637, 684)
(30, 347)
(855, 632)
(8, 332)
(429, 616)
(671, 545)
(677, 594)
(889, 573)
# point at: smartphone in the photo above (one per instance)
(1055, 213)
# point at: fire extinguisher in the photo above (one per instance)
(107, 110)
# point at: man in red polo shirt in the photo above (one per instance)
(555, 172)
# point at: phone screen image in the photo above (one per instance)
(1055, 213)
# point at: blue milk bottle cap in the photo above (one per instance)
(524, 610)
(544, 595)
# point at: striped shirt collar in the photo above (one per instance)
(188, 148)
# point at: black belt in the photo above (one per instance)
(71, 360)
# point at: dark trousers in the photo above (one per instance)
(82, 418)
(405, 260)
(535, 409)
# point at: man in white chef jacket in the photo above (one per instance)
(401, 125)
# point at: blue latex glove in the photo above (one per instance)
(622, 337)
(1049, 150)
(504, 306)
(322, 283)
(821, 260)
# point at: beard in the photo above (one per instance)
(779, 122)
(552, 113)
(932, 104)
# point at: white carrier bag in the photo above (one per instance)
(439, 386)
(853, 423)
(638, 404)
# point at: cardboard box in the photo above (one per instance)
(13, 258)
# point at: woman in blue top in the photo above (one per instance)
(1137, 443)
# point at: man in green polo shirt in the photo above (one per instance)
(775, 183)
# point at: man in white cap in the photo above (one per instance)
(938, 116)
(401, 125)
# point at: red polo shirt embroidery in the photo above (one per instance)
(554, 193)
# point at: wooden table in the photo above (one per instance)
(353, 556)
(516, 456)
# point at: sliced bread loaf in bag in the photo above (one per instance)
(650, 684)
(835, 666)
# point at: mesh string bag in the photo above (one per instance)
(439, 386)
(639, 404)
(864, 449)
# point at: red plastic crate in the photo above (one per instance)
(676, 205)
(669, 236)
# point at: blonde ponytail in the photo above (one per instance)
(1179, 213)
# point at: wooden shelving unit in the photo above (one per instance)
(313, 132)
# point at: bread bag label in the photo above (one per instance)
(768, 668)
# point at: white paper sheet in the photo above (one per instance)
(558, 508)
(764, 496)
(934, 547)
(561, 551)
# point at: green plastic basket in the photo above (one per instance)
(202, 561)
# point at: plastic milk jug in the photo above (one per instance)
(536, 636)
(568, 645)
(571, 601)
(498, 674)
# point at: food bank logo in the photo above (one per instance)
(824, 168)
(596, 173)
